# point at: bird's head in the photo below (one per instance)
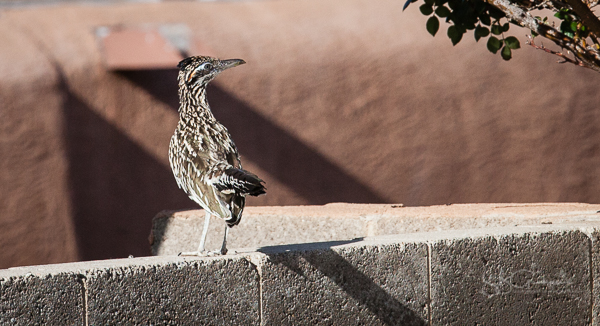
(199, 70)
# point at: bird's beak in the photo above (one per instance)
(230, 63)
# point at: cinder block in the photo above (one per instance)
(354, 284)
(208, 291)
(41, 300)
(526, 279)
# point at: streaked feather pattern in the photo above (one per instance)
(240, 181)
(203, 157)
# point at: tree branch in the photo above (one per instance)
(587, 16)
(516, 13)
(560, 54)
(588, 58)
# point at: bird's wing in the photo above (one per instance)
(189, 159)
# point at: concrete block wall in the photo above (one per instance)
(535, 274)
(139, 291)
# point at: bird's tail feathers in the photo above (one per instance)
(241, 181)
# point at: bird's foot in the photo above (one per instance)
(204, 253)
(195, 253)
(216, 253)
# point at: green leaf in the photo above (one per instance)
(496, 13)
(442, 11)
(426, 9)
(573, 26)
(496, 29)
(568, 18)
(505, 27)
(480, 32)
(433, 25)
(453, 4)
(454, 34)
(564, 14)
(565, 28)
(461, 29)
(470, 25)
(494, 44)
(429, 2)
(512, 42)
(534, 34)
(485, 19)
(480, 7)
(506, 53)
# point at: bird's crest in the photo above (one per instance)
(191, 60)
(185, 62)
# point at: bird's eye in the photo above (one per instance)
(199, 72)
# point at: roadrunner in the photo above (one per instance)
(203, 157)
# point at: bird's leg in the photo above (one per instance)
(204, 232)
(224, 245)
(202, 238)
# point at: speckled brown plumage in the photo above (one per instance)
(203, 157)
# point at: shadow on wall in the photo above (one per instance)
(116, 187)
(299, 269)
(293, 163)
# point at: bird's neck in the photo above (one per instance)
(194, 106)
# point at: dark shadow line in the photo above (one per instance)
(290, 160)
(307, 246)
(363, 289)
(115, 186)
(359, 286)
